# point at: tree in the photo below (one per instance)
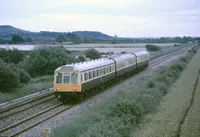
(60, 39)
(16, 39)
(152, 47)
(92, 54)
(81, 59)
(14, 56)
(8, 77)
(45, 60)
(28, 39)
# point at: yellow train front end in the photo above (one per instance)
(67, 82)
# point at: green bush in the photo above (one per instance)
(152, 47)
(81, 59)
(9, 78)
(24, 76)
(12, 56)
(92, 54)
(150, 84)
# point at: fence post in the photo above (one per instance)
(47, 132)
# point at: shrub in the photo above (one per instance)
(92, 54)
(9, 78)
(24, 76)
(152, 47)
(150, 84)
(81, 59)
(14, 56)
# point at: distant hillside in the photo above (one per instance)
(6, 32)
(10, 29)
(93, 35)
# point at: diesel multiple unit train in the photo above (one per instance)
(76, 79)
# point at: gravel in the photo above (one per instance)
(66, 116)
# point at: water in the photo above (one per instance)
(19, 47)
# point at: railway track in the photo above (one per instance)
(34, 120)
(23, 108)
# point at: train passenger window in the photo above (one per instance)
(110, 69)
(113, 67)
(59, 78)
(97, 71)
(118, 66)
(66, 78)
(86, 76)
(90, 75)
(104, 70)
(74, 78)
(94, 74)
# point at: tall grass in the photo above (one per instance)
(118, 115)
(35, 85)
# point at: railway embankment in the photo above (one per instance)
(178, 114)
(120, 114)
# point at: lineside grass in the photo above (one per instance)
(118, 115)
(35, 85)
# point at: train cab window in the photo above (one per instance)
(59, 78)
(74, 78)
(66, 79)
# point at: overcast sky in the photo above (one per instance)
(126, 18)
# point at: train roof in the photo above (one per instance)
(123, 57)
(83, 66)
(140, 53)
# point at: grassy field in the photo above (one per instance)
(124, 45)
(114, 50)
(119, 114)
(191, 126)
(35, 85)
(165, 122)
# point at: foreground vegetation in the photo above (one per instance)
(119, 114)
(172, 117)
